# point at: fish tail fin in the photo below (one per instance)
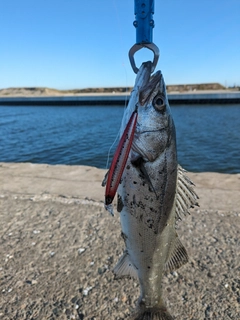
(154, 313)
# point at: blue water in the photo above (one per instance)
(208, 136)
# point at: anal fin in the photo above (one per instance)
(177, 257)
(125, 268)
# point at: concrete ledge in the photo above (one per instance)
(217, 191)
(121, 99)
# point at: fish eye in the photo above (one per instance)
(159, 103)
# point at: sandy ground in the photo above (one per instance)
(59, 245)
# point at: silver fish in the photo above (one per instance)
(153, 194)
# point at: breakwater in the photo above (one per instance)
(121, 99)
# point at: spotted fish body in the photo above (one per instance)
(154, 192)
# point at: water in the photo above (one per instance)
(208, 136)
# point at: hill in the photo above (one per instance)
(43, 91)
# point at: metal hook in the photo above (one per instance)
(137, 47)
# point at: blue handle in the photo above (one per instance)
(144, 10)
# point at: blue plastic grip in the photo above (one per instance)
(144, 10)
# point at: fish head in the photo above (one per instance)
(155, 127)
(153, 106)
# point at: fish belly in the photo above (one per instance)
(148, 253)
(143, 213)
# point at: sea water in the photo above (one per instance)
(208, 136)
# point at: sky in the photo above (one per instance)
(69, 44)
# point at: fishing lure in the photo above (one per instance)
(119, 161)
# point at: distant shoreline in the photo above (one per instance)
(210, 93)
(171, 89)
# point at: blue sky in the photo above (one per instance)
(84, 43)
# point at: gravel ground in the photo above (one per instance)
(57, 256)
(58, 249)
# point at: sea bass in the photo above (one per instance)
(153, 194)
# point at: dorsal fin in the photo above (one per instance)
(177, 257)
(125, 268)
(186, 197)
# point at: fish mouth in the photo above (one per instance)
(147, 89)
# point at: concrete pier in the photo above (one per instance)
(121, 99)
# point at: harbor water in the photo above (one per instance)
(208, 136)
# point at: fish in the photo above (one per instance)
(154, 192)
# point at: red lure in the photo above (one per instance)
(120, 159)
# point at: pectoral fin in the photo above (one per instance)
(139, 164)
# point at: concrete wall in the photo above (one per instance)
(121, 99)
